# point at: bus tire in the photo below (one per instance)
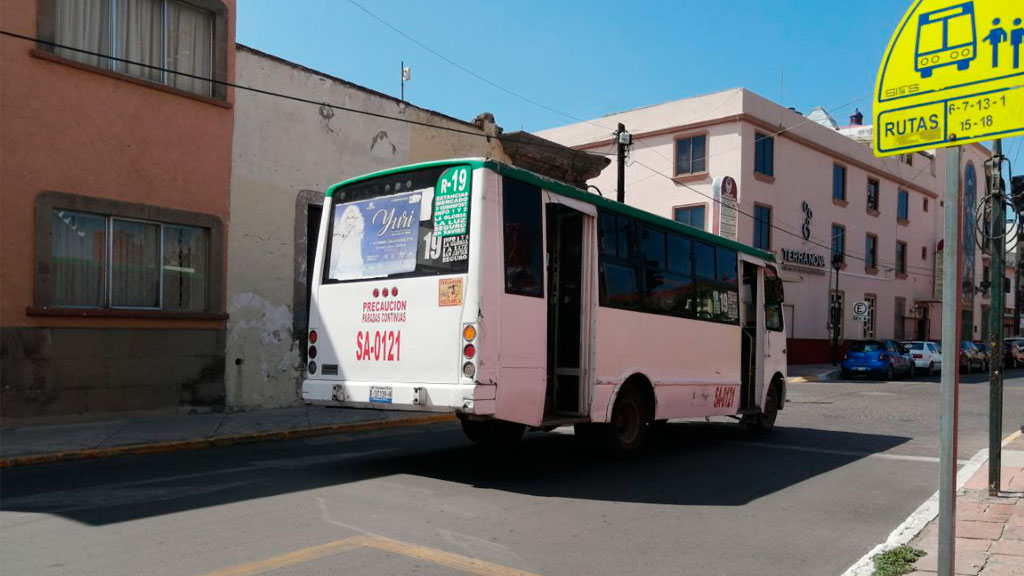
(492, 432)
(626, 432)
(764, 422)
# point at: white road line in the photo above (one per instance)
(877, 455)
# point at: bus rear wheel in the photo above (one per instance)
(492, 432)
(626, 432)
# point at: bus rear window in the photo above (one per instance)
(400, 226)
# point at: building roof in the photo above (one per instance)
(552, 159)
(822, 117)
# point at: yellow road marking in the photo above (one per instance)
(442, 558)
(432, 555)
(1012, 437)
(297, 557)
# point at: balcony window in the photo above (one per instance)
(872, 195)
(903, 206)
(839, 242)
(838, 182)
(871, 251)
(764, 154)
(763, 227)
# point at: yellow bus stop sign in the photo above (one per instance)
(953, 73)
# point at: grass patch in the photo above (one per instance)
(897, 561)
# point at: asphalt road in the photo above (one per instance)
(847, 463)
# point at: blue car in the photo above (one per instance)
(884, 358)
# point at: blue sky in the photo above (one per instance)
(587, 58)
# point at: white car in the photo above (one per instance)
(927, 356)
(1014, 352)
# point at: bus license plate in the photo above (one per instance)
(380, 394)
(862, 368)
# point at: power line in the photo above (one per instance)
(470, 72)
(282, 95)
(379, 115)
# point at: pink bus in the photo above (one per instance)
(514, 301)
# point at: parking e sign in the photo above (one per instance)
(860, 311)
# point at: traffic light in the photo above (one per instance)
(1017, 193)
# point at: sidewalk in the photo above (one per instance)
(812, 373)
(989, 530)
(168, 432)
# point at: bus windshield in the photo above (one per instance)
(400, 226)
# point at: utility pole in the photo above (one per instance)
(995, 325)
(406, 76)
(835, 313)
(622, 139)
(1017, 196)
(1016, 279)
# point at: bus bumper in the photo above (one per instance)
(416, 396)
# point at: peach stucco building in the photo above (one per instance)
(115, 190)
(805, 188)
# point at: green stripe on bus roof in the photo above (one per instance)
(472, 162)
(571, 192)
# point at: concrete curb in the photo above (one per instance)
(199, 443)
(917, 521)
(830, 376)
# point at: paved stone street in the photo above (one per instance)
(847, 464)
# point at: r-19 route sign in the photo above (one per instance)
(953, 73)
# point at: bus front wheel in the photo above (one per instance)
(627, 431)
(492, 432)
(765, 421)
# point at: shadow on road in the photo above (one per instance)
(690, 464)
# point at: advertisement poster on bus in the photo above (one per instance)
(375, 237)
(451, 202)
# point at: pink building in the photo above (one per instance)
(804, 189)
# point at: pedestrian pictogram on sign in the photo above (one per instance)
(952, 74)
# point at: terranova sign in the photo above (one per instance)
(953, 73)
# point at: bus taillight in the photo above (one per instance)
(312, 336)
(469, 332)
(469, 351)
(468, 370)
(312, 352)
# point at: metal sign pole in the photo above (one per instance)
(951, 275)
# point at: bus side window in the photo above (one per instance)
(773, 298)
(619, 285)
(524, 257)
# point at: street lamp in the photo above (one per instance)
(835, 312)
